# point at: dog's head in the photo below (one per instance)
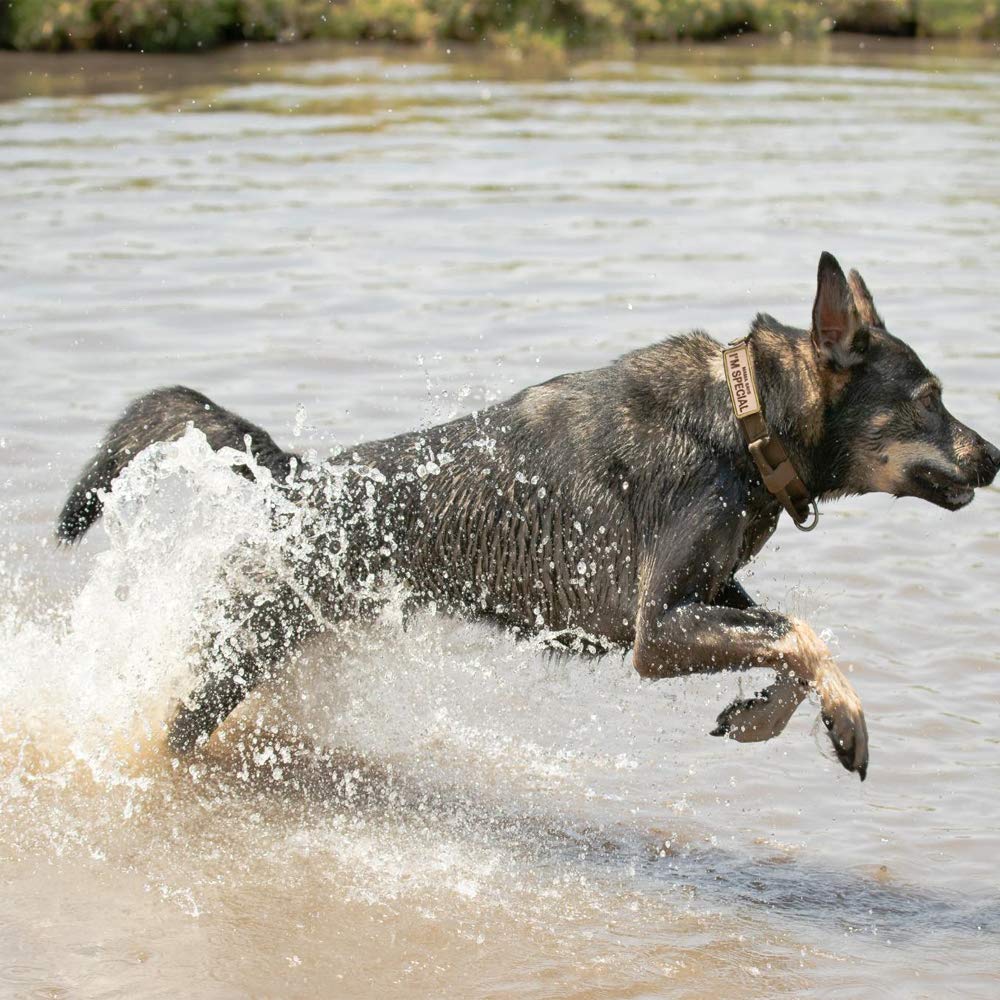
(884, 412)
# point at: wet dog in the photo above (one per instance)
(602, 509)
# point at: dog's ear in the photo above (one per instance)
(837, 331)
(864, 302)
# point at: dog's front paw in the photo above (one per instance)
(844, 720)
(752, 720)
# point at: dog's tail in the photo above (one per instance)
(160, 415)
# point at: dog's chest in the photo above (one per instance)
(756, 535)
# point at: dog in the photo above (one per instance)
(601, 510)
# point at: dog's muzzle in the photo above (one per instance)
(954, 489)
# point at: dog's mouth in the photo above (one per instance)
(937, 487)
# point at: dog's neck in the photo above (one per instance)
(793, 393)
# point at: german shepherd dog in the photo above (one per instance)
(606, 509)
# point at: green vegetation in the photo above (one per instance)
(187, 25)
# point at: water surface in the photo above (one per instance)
(346, 243)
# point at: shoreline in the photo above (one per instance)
(67, 74)
(527, 26)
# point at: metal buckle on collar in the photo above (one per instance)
(811, 525)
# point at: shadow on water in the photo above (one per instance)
(823, 896)
(312, 782)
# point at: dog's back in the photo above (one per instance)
(531, 512)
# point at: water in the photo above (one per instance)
(347, 243)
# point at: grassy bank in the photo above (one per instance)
(186, 25)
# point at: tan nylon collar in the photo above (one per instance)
(775, 467)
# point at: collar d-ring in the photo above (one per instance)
(808, 525)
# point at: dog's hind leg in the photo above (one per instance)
(265, 631)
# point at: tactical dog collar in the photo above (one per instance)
(776, 469)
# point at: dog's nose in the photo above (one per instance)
(990, 464)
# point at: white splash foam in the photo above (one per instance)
(98, 674)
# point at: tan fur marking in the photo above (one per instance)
(539, 401)
(801, 644)
(809, 659)
(880, 421)
(886, 471)
(966, 449)
(836, 383)
(560, 405)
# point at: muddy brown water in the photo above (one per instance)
(343, 243)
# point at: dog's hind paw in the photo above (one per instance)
(752, 720)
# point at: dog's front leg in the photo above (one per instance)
(765, 715)
(702, 638)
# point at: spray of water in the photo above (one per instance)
(395, 747)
